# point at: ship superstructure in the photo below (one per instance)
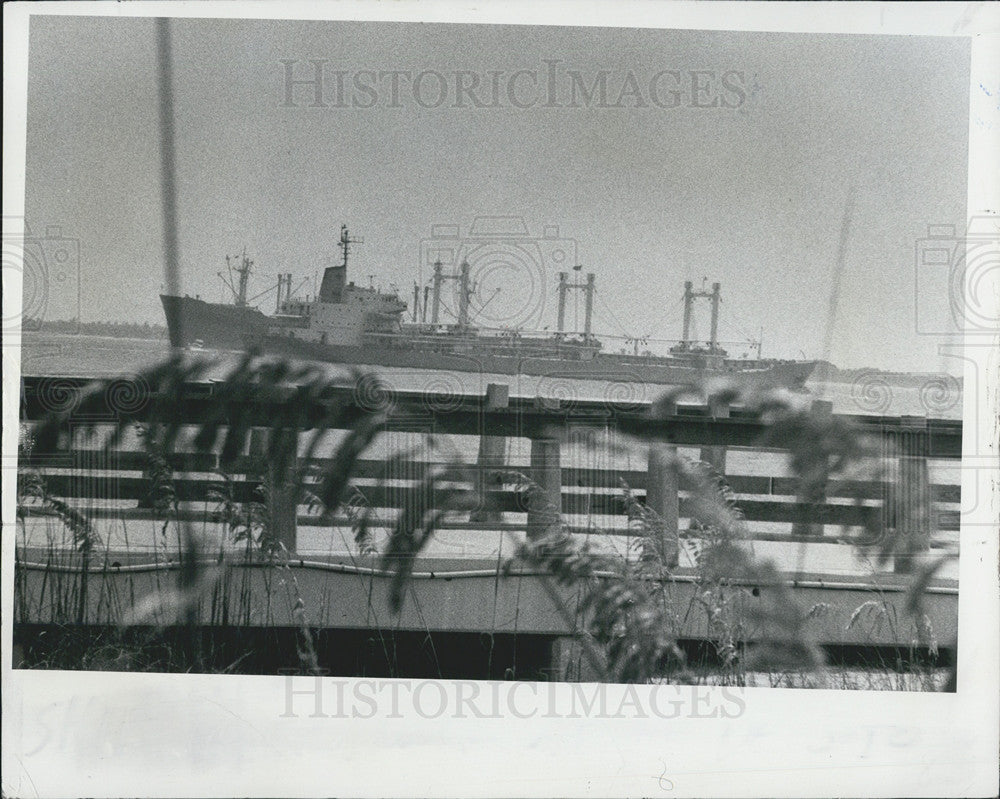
(343, 313)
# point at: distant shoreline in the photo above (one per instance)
(107, 329)
(828, 373)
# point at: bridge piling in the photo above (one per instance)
(491, 460)
(910, 498)
(812, 498)
(716, 455)
(662, 499)
(282, 492)
(545, 497)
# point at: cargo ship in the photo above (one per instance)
(362, 325)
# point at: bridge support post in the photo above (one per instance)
(662, 499)
(545, 498)
(716, 455)
(282, 492)
(910, 498)
(491, 456)
(812, 498)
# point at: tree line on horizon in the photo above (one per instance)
(116, 328)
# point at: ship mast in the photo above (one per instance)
(463, 295)
(345, 243)
(465, 291)
(689, 297)
(588, 288)
(243, 273)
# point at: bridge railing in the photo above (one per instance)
(532, 493)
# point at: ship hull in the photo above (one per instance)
(193, 322)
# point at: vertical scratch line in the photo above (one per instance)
(838, 270)
(171, 270)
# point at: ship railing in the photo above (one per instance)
(498, 345)
(532, 466)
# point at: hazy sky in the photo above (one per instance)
(744, 181)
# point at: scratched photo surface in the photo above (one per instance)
(493, 352)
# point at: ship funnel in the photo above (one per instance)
(332, 287)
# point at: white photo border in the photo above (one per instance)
(110, 734)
